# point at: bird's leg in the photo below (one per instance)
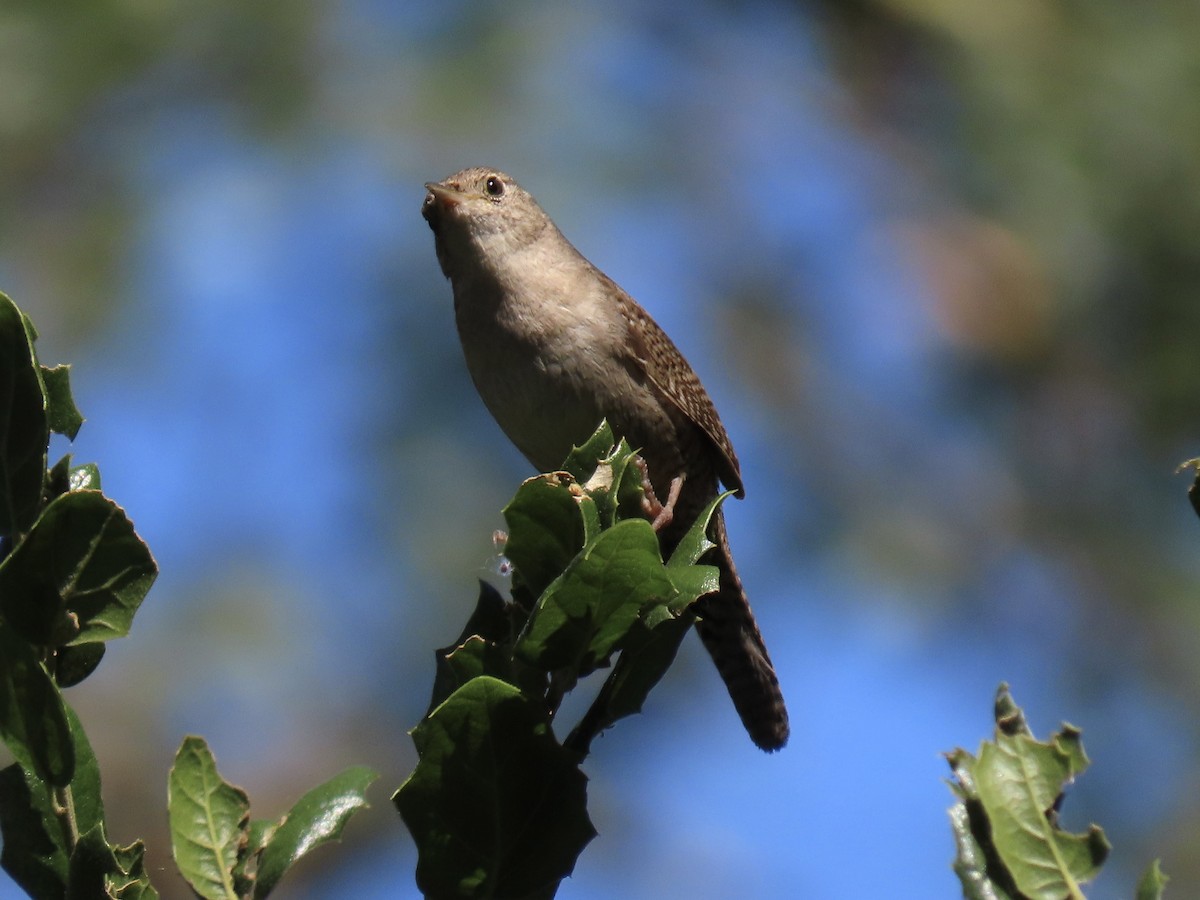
(660, 514)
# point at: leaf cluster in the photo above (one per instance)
(497, 804)
(73, 572)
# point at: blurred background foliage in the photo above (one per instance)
(935, 261)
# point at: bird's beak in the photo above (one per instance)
(443, 193)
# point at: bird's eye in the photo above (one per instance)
(494, 186)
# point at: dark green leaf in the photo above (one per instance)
(1152, 883)
(85, 478)
(58, 479)
(590, 607)
(489, 621)
(208, 818)
(696, 543)
(75, 662)
(61, 413)
(24, 432)
(581, 462)
(318, 817)
(82, 558)
(100, 870)
(545, 530)
(497, 808)
(92, 865)
(33, 719)
(34, 851)
(647, 652)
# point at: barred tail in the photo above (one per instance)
(731, 636)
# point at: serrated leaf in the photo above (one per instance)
(597, 599)
(545, 530)
(99, 869)
(82, 558)
(317, 818)
(695, 542)
(1019, 780)
(1012, 791)
(615, 486)
(61, 413)
(33, 718)
(133, 882)
(583, 459)
(24, 431)
(496, 807)
(1152, 883)
(208, 818)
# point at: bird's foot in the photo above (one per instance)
(660, 514)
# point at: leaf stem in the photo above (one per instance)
(64, 808)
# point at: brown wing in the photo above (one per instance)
(675, 380)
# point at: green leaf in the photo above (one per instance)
(695, 542)
(318, 817)
(496, 807)
(208, 818)
(75, 662)
(132, 882)
(58, 479)
(490, 624)
(257, 835)
(85, 477)
(1014, 788)
(61, 414)
(646, 653)
(33, 718)
(85, 785)
(24, 431)
(971, 863)
(100, 870)
(615, 486)
(582, 461)
(1152, 883)
(545, 530)
(92, 864)
(82, 561)
(34, 852)
(590, 607)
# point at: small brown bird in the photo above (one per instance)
(554, 346)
